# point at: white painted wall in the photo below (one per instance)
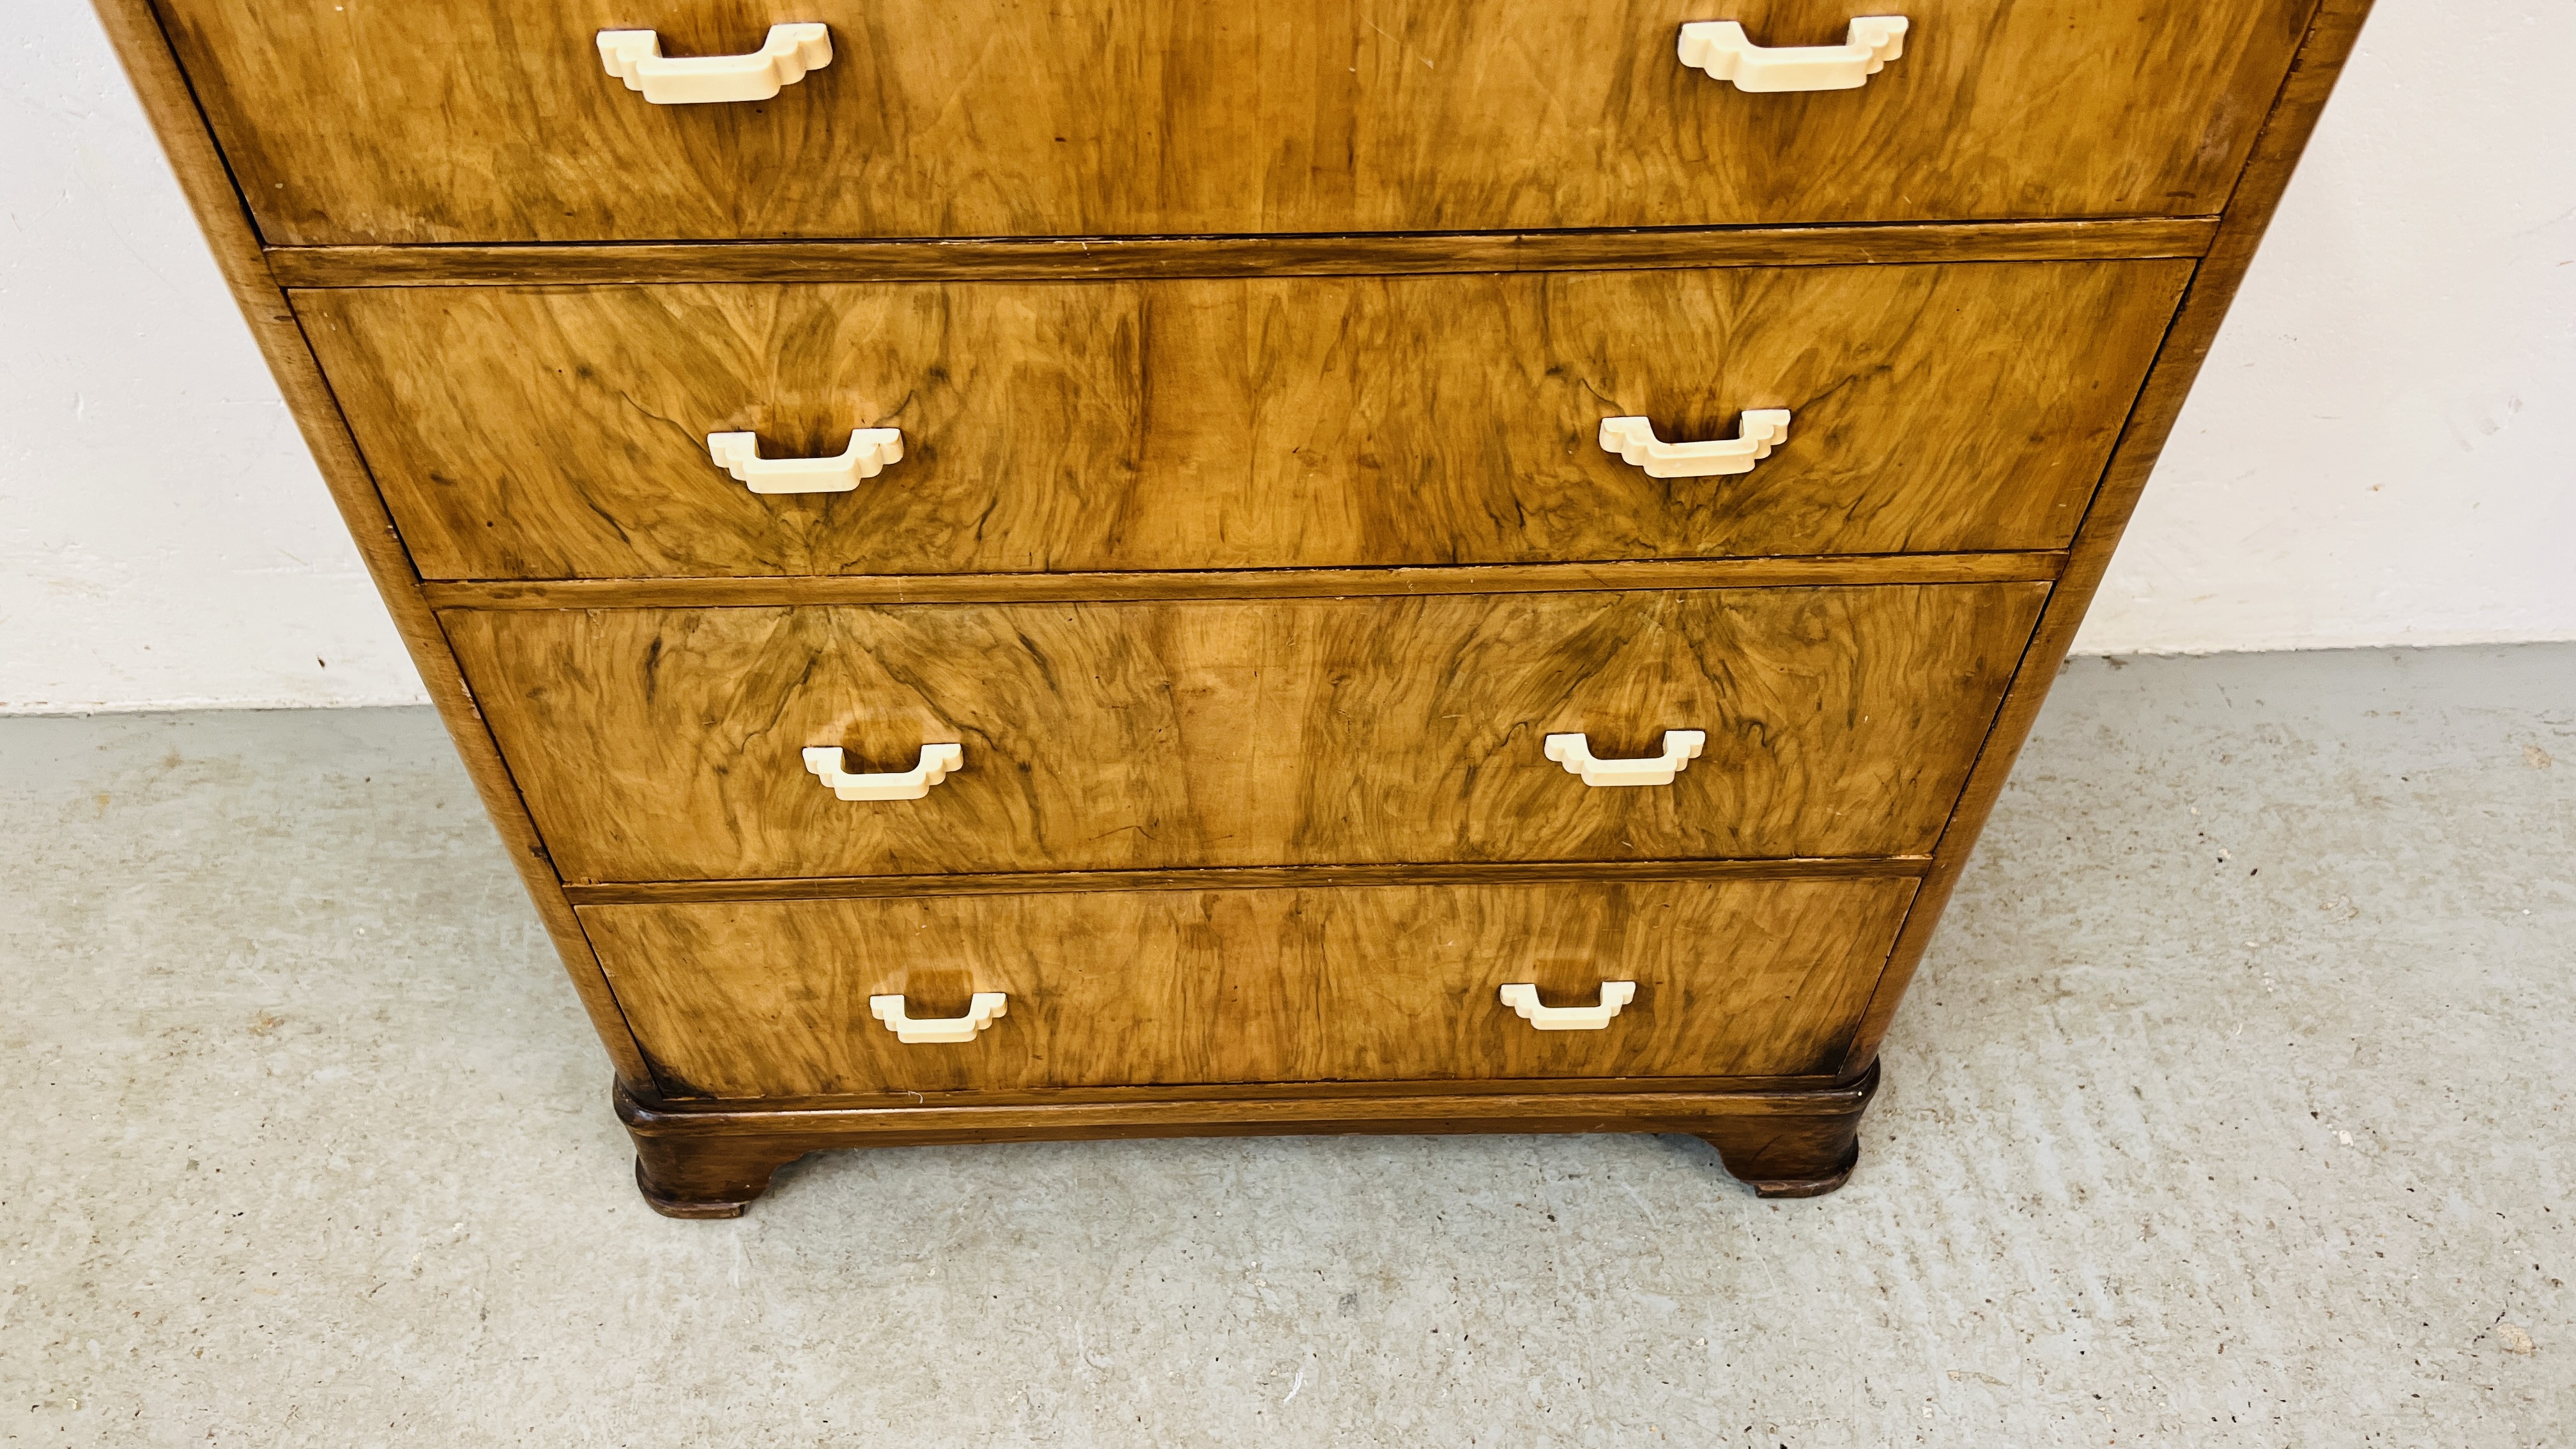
(2383, 450)
(164, 538)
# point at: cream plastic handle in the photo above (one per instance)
(1574, 752)
(1524, 999)
(936, 761)
(868, 453)
(635, 57)
(1721, 48)
(1634, 440)
(911, 1032)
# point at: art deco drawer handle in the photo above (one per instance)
(1721, 48)
(936, 761)
(1574, 752)
(868, 453)
(1524, 999)
(1634, 440)
(979, 1015)
(635, 57)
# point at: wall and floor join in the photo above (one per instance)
(2230, 1108)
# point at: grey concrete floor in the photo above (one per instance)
(2231, 1108)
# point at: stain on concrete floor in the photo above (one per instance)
(2232, 1107)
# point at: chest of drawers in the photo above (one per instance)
(1014, 570)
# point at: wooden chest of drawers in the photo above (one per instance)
(1017, 570)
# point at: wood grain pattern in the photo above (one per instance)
(1165, 257)
(158, 82)
(2158, 96)
(1389, 984)
(2332, 32)
(1175, 584)
(493, 120)
(663, 745)
(1256, 877)
(561, 433)
(706, 1160)
(1354, 1092)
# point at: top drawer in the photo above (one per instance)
(355, 121)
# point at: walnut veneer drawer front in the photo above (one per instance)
(667, 744)
(773, 999)
(482, 120)
(563, 433)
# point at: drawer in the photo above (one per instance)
(563, 433)
(772, 999)
(668, 744)
(496, 120)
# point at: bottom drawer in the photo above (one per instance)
(1756, 978)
